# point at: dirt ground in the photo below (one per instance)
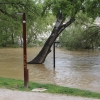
(6, 94)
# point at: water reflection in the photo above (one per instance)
(78, 69)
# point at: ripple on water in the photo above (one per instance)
(80, 69)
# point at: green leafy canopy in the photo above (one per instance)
(72, 7)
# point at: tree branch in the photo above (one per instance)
(9, 15)
(68, 23)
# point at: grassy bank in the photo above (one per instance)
(18, 85)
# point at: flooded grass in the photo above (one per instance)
(19, 85)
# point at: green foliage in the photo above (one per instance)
(68, 7)
(72, 7)
(92, 7)
(91, 37)
(71, 38)
(82, 34)
(8, 29)
(78, 38)
(11, 24)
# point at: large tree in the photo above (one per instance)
(67, 9)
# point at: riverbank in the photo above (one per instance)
(54, 89)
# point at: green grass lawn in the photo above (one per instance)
(19, 85)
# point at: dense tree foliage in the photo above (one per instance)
(82, 34)
(91, 37)
(78, 38)
(71, 7)
(11, 23)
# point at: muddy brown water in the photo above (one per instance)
(78, 69)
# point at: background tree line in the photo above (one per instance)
(11, 23)
(42, 13)
(82, 34)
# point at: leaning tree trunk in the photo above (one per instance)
(58, 28)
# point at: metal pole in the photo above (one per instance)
(26, 76)
(54, 55)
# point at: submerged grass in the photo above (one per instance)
(18, 85)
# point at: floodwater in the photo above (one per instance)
(78, 69)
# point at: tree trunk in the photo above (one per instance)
(12, 37)
(58, 28)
